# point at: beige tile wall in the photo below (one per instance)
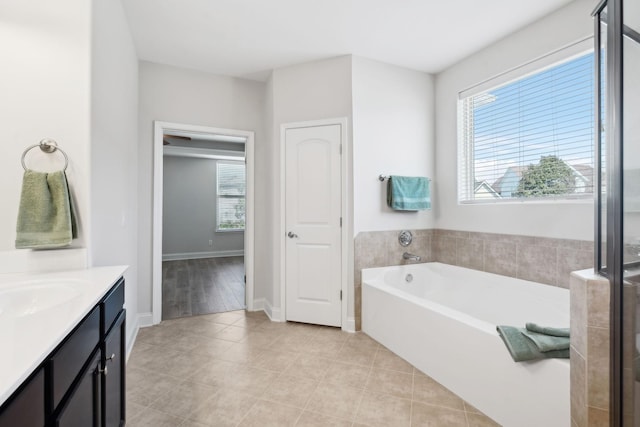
(589, 349)
(539, 259)
(381, 249)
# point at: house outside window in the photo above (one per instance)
(529, 137)
(230, 195)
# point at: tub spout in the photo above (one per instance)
(412, 257)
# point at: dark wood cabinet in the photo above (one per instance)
(82, 382)
(113, 383)
(72, 354)
(25, 408)
(82, 407)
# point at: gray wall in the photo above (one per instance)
(189, 210)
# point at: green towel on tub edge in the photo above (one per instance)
(408, 193)
(45, 217)
(522, 348)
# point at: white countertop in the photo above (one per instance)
(38, 310)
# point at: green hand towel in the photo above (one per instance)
(522, 349)
(547, 342)
(408, 193)
(45, 217)
(556, 332)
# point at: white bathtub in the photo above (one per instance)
(444, 323)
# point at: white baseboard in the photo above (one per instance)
(145, 320)
(351, 325)
(258, 304)
(200, 255)
(272, 312)
(133, 334)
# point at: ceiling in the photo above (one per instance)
(247, 38)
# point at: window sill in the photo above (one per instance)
(563, 201)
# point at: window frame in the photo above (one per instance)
(219, 196)
(465, 159)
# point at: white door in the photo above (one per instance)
(313, 225)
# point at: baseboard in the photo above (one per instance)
(258, 304)
(272, 313)
(351, 325)
(145, 320)
(200, 255)
(142, 320)
(133, 334)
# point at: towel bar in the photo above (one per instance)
(384, 177)
(47, 145)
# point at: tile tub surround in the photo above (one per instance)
(382, 249)
(193, 372)
(539, 259)
(589, 349)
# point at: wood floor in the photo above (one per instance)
(202, 286)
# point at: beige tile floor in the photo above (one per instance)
(240, 369)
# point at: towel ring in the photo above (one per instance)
(47, 145)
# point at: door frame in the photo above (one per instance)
(159, 128)
(344, 212)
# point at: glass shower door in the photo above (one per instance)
(631, 209)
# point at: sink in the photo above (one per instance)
(28, 298)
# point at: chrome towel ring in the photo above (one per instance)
(47, 145)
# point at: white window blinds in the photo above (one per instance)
(529, 138)
(231, 187)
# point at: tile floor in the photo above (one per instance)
(240, 369)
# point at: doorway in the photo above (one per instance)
(203, 220)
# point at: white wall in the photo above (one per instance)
(393, 134)
(114, 151)
(264, 202)
(571, 220)
(310, 91)
(44, 82)
(192, 182)
(190, 97)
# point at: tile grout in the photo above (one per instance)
(312, 334)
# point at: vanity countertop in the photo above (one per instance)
(38, 310)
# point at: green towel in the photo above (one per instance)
(547, 342)
(522, 349)
(556, 332)
(408, 193)
(45, 217)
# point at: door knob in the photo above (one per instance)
(292, 235)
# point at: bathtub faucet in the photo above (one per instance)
(412, 257)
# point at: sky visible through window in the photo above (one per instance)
(548, 113)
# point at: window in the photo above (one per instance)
(529, 138)
(231, 186)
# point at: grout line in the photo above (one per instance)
(413, 389)
(365, 384)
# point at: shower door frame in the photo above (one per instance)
(615, 267)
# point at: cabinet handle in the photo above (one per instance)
(104, 371)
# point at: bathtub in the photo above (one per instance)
(442, 319)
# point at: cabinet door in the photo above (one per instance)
(26, 408)
(114, 375)
(82, 408)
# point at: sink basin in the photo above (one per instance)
(29, 298)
